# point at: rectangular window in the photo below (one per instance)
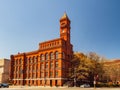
(46, 74)
(56, 74)
(27, 61)
(51, 65)
(14, 75)
(16, 68)
(15, 62)
(56, 64)
(27, 76)
(34, 75)
(46, 65)
(51, 74)
(42, 66)
(42, 74)
(31, 68)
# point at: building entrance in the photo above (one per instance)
(51, 83)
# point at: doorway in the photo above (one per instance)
(51, 83)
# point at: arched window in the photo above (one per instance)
(16, 62)
(20, 61)
(27, 60)
(51, 55)
(56, 55)
(36, 59)
(46, 56)
(42, 57)
(33, 59)
(30, 60)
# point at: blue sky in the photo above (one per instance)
(95, 25)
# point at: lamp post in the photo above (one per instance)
(75, 77)
(94, 84)
(95, 79)
(75, 82)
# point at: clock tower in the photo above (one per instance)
(65, 28)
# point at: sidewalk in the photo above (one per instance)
(36, 87)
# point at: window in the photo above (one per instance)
(46, 65)
(56, 55)
(27, 61)
(34, 75)
(37, 76)
(27, 75)
(46, 74)
(56, 73)
(17, 75)
(34, 68)
(20, 61)
(16, 68)
(36, 58)
(56, 64)
(63, 64)
(42, 57)
(28, 68)
(42, 66)
(42, 74)
(51, 65)
(51, 74)
(30, 59)
(63, 55)
(51, 56)
(57, 42)
(16, 61)
(33, 59)
(46, 56)
(31, 68)
(30, 75)
(14, 75)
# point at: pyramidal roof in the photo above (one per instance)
(64, 16)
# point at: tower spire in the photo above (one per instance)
(64, 16)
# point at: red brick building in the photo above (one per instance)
(47, 66)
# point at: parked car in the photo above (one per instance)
(85, 86)
(4, 85)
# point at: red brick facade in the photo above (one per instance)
(47, 66)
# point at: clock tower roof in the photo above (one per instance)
(64, 16)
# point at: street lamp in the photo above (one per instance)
(75, 82)
(75, 77)
(95, 79)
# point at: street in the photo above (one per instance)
(56, 88)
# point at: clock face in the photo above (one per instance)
(63, 24)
